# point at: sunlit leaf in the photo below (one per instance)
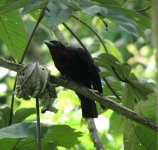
(64, 135)
(34, 5)
(11, 5)
(13, 34)
(131, 140)
(21, 130)
(113, 50)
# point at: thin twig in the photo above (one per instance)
(59, 36)
(75, 36)
(111, 89)
(12, 105)
(117, 75)
(143, 9)
(89, 27)
(38, 126)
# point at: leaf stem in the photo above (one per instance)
(38, 126)
(89, 27)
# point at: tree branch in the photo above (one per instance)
(89, 94)
(94, 134)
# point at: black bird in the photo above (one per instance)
(77, 65)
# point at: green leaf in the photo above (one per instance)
(138, 18)
(123, 70)
(13, 34)
(21, 130)
(4, 116)
(147, 108)
(128, 20)
(142, 89)
(131, 140)
(146, 136)
(8, 144)
(11, 5)
(128, 96)
(116, 127)
(135, 91)
(35, 4)
(106, 61)
(116, 86)
(57, 13)
(113, 50)
(64, 135)
(26, 144)
(22, 114)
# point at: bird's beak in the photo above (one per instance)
(47, 43)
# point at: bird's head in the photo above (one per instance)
(54, 44)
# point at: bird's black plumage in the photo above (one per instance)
(77, 65)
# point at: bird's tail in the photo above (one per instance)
(88, 107)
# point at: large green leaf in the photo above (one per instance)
(13, 34)
(25, 144)
(11, 5)
(35, 4)
(128, 20)
(116, 126)
(123, 21)
(149, 110)
(57, 12)
(131, 140)
(58, 135)
(138, 18)
(64, 135)
(21, 130)
(146, 136)
(138, 136)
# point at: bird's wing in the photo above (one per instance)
(86, 58)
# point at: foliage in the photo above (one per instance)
(126, 33)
